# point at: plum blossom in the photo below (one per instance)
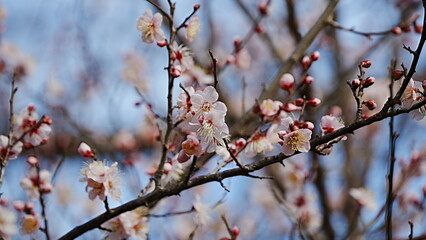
(303, 210)
(242, 59)
(36, 132)
(202, 217)
(7, 223)
(211, 130)
(36, 182)
(262, 141)
(197, 78)
(128, 224)
(296, 141)
(102, 180)
(364, 197)
(30, 223)
(85, 150)
(182, 55)
(207, 101)
(191, 145)
(193, 27)
(13, 152)
(330, 123)
(269, 107)
(150, 26)
(411, 96)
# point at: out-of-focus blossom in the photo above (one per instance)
(193, 27)
(13, 152)
(269, 107)
(303, 208)
(30, 223)
(16, 60)
(102, 180)
(197, 78)
(203, 212)
(36, 132)
(364, 197)
(36, 182)
(128, 224)
(296, 141)
(7, 223)
(242, 59)
(124, 140)
(133, 71)
(182, 55)
(150, 26)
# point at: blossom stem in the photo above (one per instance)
(43, 205)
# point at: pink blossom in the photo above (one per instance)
(330, 123)
(150, 26)
(191, 145)
(269, 107)
(27, 123)
(211, 130)
(7, 223)
(364, 197)
(102, 180)
(296, 141)
(13, 152)
(128, 224)
(197, 78)
(30, 223)
(182, 55)
(242, 59)
(192, 28)
(37, 181)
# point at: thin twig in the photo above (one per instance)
(170, 214)
(214, 61)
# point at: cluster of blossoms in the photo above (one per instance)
(30, 221)
(7, 222)
(37, 181)
(203, 118)
(35, 131)
(129, 224)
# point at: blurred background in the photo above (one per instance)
(83, 60)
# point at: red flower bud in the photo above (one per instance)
(397, 74)
(306, 62)
(263, 8)
(315, 56)
(299, 102)
(396, 30)
(370, 104)
(259, 29)
(355, 83)
(287, 82)
(366, 63)
(196, 6)
(314, 101)
(162, 43)
(418, 29)
(368, 82)
(308, 79)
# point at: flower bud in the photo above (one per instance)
(85, 150)
(259, 29)
(162, 43)
(306, 62)
(397, 74)
(240, 142)
(19, 205)
(355, 83)
(396, 30)
(406, 28)
(315, 56)
(32, 160)
(237, 43)
(167, 167)
(299, 102)
(370, 104)
(287, 81)
(366, 63)
(176, 71)
(368, 82)
(290, 107)
(418, 29)
(263, 8)
(364, 116)
(308, 125)
(308, 79)
(196, 6)
(235, 231)
(314, 101)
